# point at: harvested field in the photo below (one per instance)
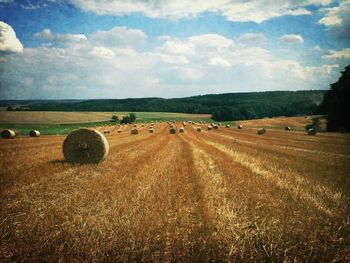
(225, 195)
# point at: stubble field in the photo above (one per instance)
(223, 195)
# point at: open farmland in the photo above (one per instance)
(223, 195)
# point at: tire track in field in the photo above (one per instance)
(318, 195)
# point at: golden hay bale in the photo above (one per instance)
(288, 128)
(142, 125)
(134, 131)
(210, 127)
(119, 131)
(181, 129)
(311, 132)
(172, 131)
(85, 146)
(135, 125)
(171, 126)
(240, 126)
(219, 123)
(215, 126)
(151, 130)
(8, 134)
(261, 131)
(199, 129)
(106, 131)
(34, 133)
(228, 126)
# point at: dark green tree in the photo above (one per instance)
(129, 118)
(336, 103)
(115, 118)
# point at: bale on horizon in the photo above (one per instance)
(85, 146)
(34, 133)
(261, 131)
(8, 134)
(311, 131)
(228, 126)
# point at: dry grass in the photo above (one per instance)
(227, 195)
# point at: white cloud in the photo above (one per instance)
(119, 36)
(337, 18)
(8, 41)
(291, 39)
(234, 10)
(255, 39)
(47, 35)
(337, 54)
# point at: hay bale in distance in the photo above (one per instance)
(261, 131)
(287, 128)
(34, 133)
(199, 129)
(228, 126)
(215, 126)
(311, 131)
(181, 129)
(85, 146)
(8, 134)
(134, 131)
(151, 130)
(119, 131)
(172, 131)
(240, 126)
(210, 127)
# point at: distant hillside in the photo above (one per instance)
(229, 106)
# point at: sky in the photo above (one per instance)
(92, 49)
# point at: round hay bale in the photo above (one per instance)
(151, 130)
(119, 131)
(261, 131)
(199, 129)
(135, 125)
(219, 124)
(287, 128)
(240, 126)
(134, 131)
(215, 126)
(311, 131)
(210, 127)
(34, 133)
(8, 134)
(171, 126)
(85, 146)
(181, 129)
(142, 125)
(172, 131)
(228, 126)
(106, 131)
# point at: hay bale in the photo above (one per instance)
(240, 127)
(181, 129)
(219, 124)
(8, 134)
(215, 126)
(311, 131)
(172, 131)
(119, 131)
(85, 146)
(171, 126)
(261, 131)
(135, 125)
(199, 129)
(288, 128)
(210, 127)
(228, 126)
(142, 125)
(134, 131)
(151, 130)
(106, 131)
(34, 133)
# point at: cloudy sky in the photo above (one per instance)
(65, 49)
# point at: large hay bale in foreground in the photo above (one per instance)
(311, 131)
(134, 131)
(199, 129)
(8, 134)
(261, 131)
(85, 146)
(181, 129)
(172, 131)
(34, 133)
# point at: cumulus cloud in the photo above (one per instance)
(291, 39)
(337, 18)
(255, 39)
(119, 36)
(337, 54)
(9, 43)
(234, 10)
(47, 35)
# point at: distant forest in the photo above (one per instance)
(229, 106)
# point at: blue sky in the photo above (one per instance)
(58, 49)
